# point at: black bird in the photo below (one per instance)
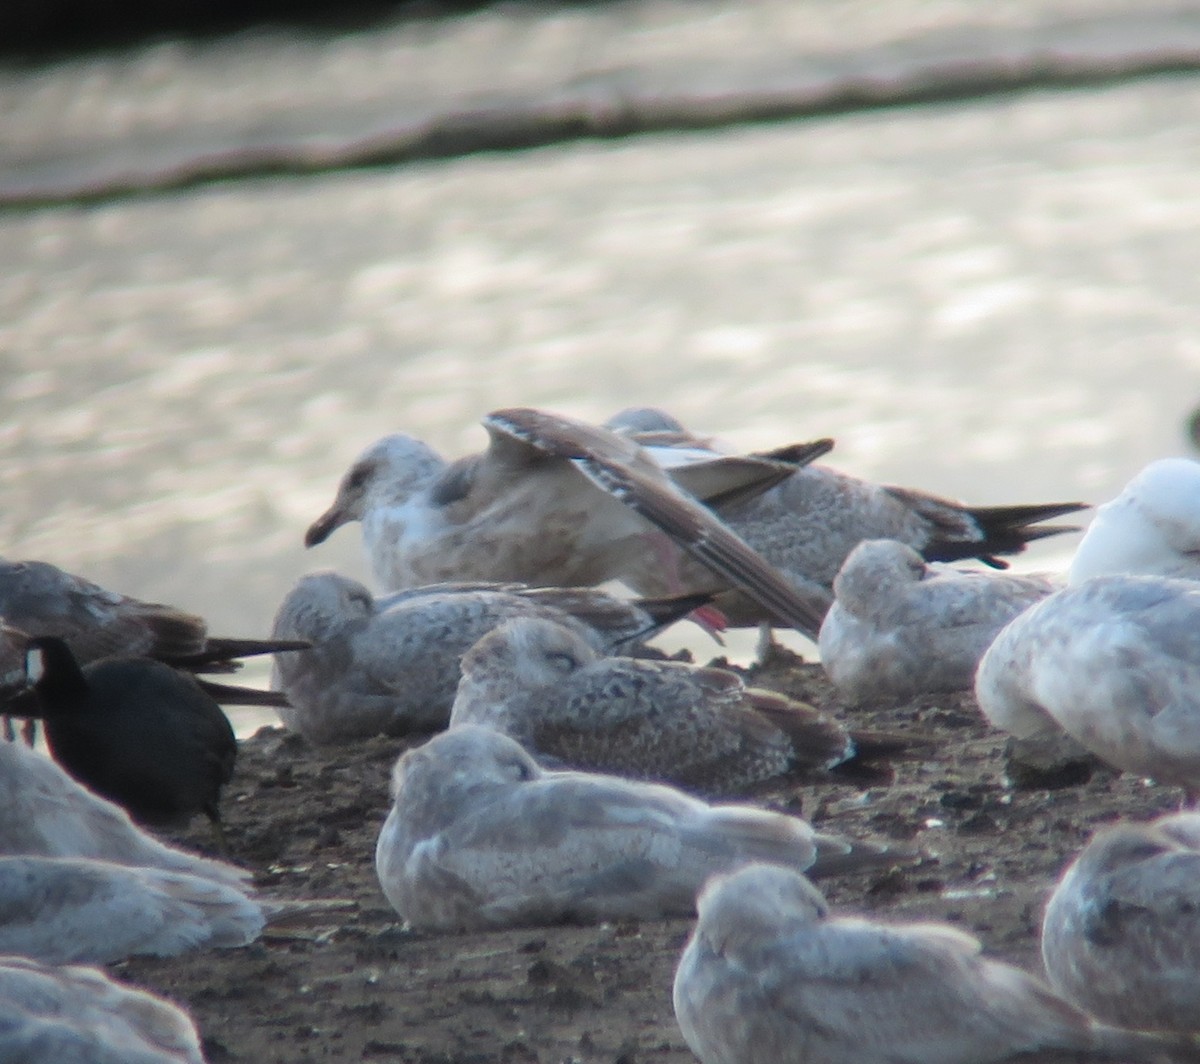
(135, 731)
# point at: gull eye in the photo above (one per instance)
(358, 477)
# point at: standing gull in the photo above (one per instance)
(695, 728)
(900, 627)
(770, 975)
(43, 600)
(391, 665)
(808, 523)
(556, 501)
(1114, 662)
(1121, 934)
(480, 837)
(77, 1015)
(1151, 528)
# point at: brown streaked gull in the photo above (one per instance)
(1121, 932)
(46, 813)
(74, 909)
(1152, 528)
(479, 836)
(696, 728)
(770, 974)
(69, 1014)
(1115, 663)
(808, 523)
(42, 600)
(900, 626)
(391, 665)
(557, 501)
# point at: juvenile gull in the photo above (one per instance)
(76, 1015)
(696, 728)
(769, 974)
(556, 501)
(73, 909)
(391, 665)
(45, 813)
(1151, 528)
(1121, 934)
(42, 600)
(808, 523)
(480, 837)
(135, 731)
(900, 627)
(1114, 662)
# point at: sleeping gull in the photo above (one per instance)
(135, 731)
(75, 909)
(45, 813)
(1151, 528)
(480, 837)
(900, 627)
(556, 501)
(696, 728)
(391, 665)
(40, 599)
(808, 523)
(1114, 662)
(1121, 934)
(76, 1015)
(769, 974)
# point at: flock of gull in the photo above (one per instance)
(559, 770)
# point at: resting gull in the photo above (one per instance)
(135, 731)
(696, 728)
(808, 523)
(556, 501)
(1121, 934)
(391, 665)
(74, 909)
(769, 974)
(1114, 662)
(45, 813)
(899, 626)
(76, 1015)
(480, 837)
(40, 599)
(1151, 528)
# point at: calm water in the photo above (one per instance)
(997, 301)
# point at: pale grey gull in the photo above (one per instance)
(697, 728)
(900, 626)
(391, 665)
(1152, 528)
(479, 836)
(1121, 933)
(75, 1015)
(770, 975)
(556, 501)
(1115, 663)
(808, 523)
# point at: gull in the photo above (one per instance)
(1115, 663)
(77, 1015)
(770, 974)
(479, 836)
(66, 910)
(556, 501)
(42, 600)
(391, 664)
(1121, 932)
(1152, 528)
(808, 523)
(899, 626)
(46, 813)
(134, 730)
(696, 728)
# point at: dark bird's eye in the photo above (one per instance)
(358, 477)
